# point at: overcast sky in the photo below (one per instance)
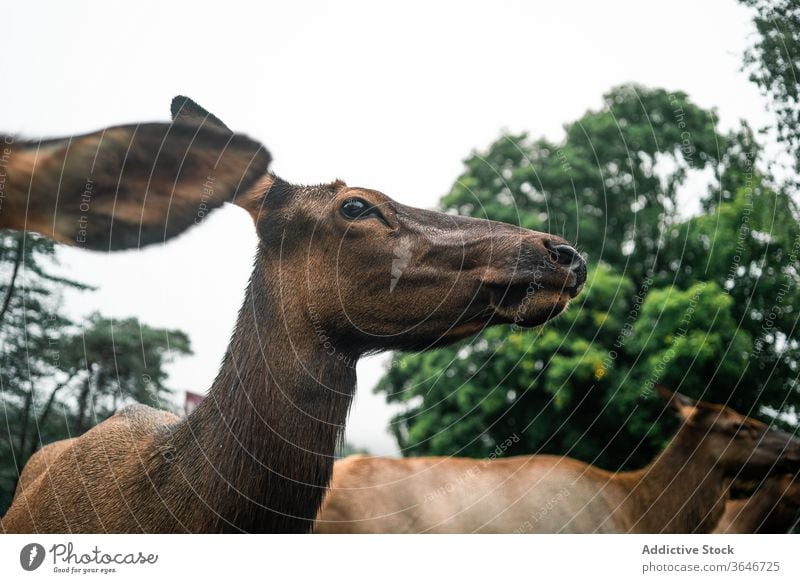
(392, 99)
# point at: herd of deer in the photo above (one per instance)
(257, 455)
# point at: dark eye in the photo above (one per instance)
(356, 208)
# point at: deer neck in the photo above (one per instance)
(261, 445)
(751, 515)
(766, 511)
(682, 490)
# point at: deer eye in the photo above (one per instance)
(357, 208)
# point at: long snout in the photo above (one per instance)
(507, 253)
(510, 274)
(540, 260)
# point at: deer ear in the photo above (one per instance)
(127, 186)
(684, 406)
(186, 110)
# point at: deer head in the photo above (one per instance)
(742, 446)
(372, 274)
(376, 274)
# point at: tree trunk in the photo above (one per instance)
(13, 281)
(26, 413)
(83, 402)
(46, 412)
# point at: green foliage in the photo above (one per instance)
(750, 247)
(58, 377)
(602, 186)
(685, 337)
(773, 62)
(672, 299)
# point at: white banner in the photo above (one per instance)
(401, 558)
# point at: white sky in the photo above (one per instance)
(388, 98)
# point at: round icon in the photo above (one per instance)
(31, 556)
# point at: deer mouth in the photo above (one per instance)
(529, 303)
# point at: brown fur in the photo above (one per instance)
(772, 509)
(681, 491)
(257, 454)
(126, 186)
(39, 463)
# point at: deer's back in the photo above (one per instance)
(93, 483)
(39, 462)
(519, 494)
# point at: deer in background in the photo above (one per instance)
(771, 509)
(683, 490)
(257, 454)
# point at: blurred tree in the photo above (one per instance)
(750, 247)
(59, 378)
(774, 61)
(119, 362)
(30, 328)
(610, 187)
(672, 298)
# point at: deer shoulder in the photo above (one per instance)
(115, 450)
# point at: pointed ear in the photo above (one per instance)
(684, 406)
(126, 186)
(186, 110)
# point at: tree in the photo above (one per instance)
(672, 299)
(750, 247)
(117, 362)
(58, 378)
(30, 328)
(610, 186)
(773, 62)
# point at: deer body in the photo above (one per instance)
(525, 494)
(682, 491)
(258, 453)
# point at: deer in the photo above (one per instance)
(682, 490)
(771, 509)
(326, 288)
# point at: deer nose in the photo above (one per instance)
(568, 257)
